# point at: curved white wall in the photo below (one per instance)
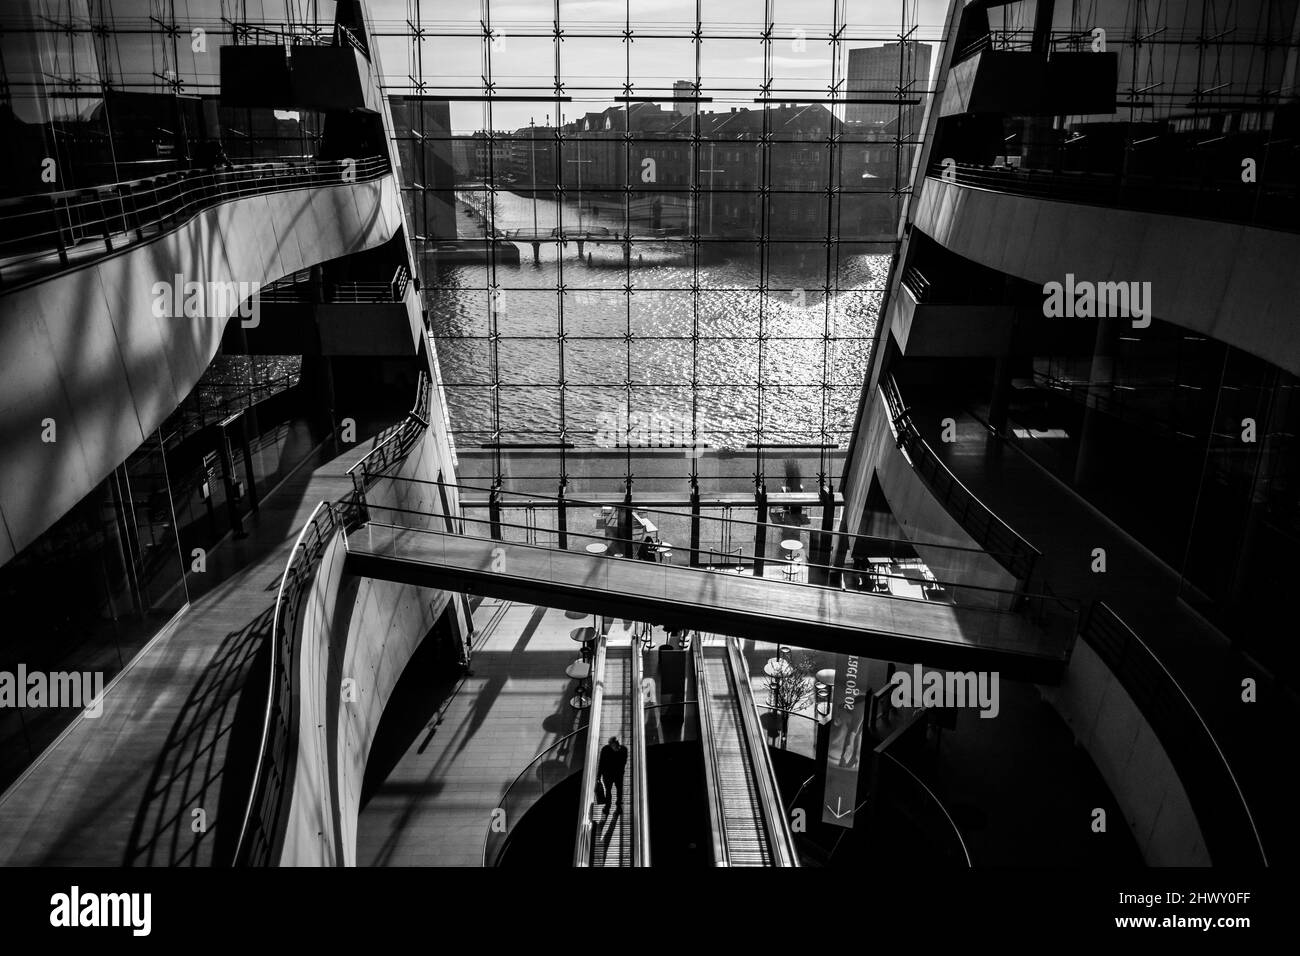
(85, 349)
(1108, 724)
(365, 631)
(1235, 283)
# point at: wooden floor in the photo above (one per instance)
(122, 789)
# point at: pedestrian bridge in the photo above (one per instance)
(1031, 643)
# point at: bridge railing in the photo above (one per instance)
(1041, 630)
(836, 559)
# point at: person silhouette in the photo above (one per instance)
(613, 759)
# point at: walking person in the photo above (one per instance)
(613, 758)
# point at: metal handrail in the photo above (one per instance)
(403, 437)
(342, 514)
(539, 500)
(949, 586)
(1015, 554)
(640, 789)
(126, 214)
(777, 824)
(1167, 707)
(582, 845)
(279, 672)
(961, 841)
(1240, 202)
(704, 709)
(515, 782)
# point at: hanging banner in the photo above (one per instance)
(843, 757)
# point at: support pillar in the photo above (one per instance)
(494, 509)
(625, 543)
(250, 476)
(695, 523)
(228, 477)
(820, 550)
(562, 518)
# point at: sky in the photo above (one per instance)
(595, 62)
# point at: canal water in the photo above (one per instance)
(656, 333)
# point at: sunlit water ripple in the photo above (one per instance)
(612, 339)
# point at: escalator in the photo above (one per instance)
(748, 824)
(612, 845)
(621, 837)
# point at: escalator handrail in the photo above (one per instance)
(582, 845)
(705, 710)
(780, 839)
(640, 791)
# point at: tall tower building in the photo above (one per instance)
(880, 73)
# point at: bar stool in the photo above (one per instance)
(581, 672)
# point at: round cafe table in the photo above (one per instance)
(597, 548)
(777, 667)
(581, 635)
(791, 548)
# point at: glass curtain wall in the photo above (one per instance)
(105, 91)
(1203, 86)
(654, 236)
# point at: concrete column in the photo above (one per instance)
(250, 476)
(562, 519)
(494, 510)
(760, 530)
(228, 476)
(695, 523)
(625, 524)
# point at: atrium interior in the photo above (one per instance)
(685, 434)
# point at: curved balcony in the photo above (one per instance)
(92, 280)
(1186, 758)
(262, 831)
(1246, 299)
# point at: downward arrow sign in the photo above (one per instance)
(837, 813)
